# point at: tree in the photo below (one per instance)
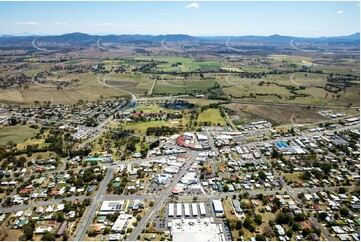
(344, 212)
(262, 175)
(65, 236)
(342, 190)
(106, 230)
(323, 216)
(260, 237)
(60, 217)
(238, 224)
(297, 226)
(289, 233)
(247, 223)
(48, 236)
(258, 219)
(283, 218)
(28, 232)
(225, 188)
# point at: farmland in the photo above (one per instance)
(16, 134)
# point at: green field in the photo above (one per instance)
(182, 86)
(17, 134)
(141, 127)
(186, 64)
(148, 109)
(212, 115)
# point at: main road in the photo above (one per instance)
(90, 213)
(161, 198)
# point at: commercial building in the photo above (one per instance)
(111, 206)
(171, 210)
(162, 179)
(121, 223)
(201, 229)
(218, 208)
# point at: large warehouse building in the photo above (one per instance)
(201, 229)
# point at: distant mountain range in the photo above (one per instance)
(86, 39)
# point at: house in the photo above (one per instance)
(42, 229)
(60, 207)
(98, 227)
(279, 230)
(71, 214)
(39, 210)
(50, 209)
(304, 225)
(62, 228)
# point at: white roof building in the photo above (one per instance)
(203, 229)
(120, 223)
(111, 206)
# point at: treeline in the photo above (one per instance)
(82, 68)
(16, 80)
(161, 131)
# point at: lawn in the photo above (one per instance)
(293, 177)
(16, 134)
(212, 115)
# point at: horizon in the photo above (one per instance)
(202, 36)
(202, 19)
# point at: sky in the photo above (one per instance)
(301, 19)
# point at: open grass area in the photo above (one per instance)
(290, 58)
(177, 86)
(206, 65)
(148, 109)
(277, 115)
(16, 134)
(138, 84)
(88, 88)
(292, 177)
(181, 64)
(213, 116)
(141, 127)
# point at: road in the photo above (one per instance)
(158, 203)
(91, 212)
(294, 195)
(132, 95)
(229, 121)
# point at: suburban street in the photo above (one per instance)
(91, 212)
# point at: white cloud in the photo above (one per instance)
(60, 23)
(26, 23)
(192, 5)
(339, 12)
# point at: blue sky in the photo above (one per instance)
(309, 19)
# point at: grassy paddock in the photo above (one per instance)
(17, 134)
(212, 115)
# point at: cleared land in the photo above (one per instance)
(141, 127)
(16, 134)
(213, 116)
